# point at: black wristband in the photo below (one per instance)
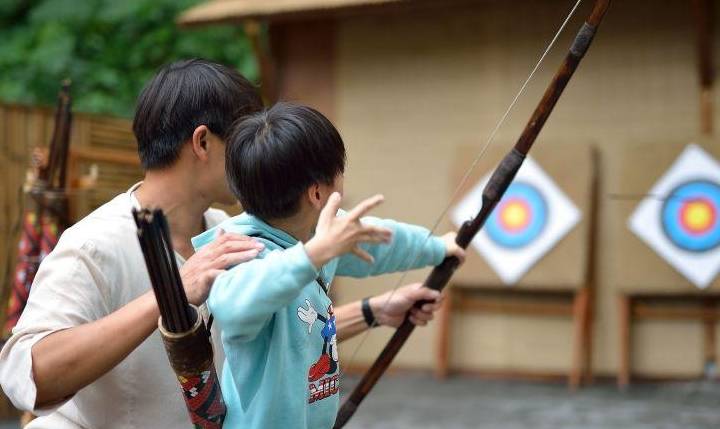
(368, 313)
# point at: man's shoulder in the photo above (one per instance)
(109, 224)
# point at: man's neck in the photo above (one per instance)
(179, 200)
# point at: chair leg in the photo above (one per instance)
(625, 324)
(588, 332)
(442, 337)
(579, 329)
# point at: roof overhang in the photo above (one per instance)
(234, 11)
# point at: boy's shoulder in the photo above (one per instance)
(251, 226)
(233, 224)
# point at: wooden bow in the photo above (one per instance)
(493, 192)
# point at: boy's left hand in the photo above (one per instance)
(452, 248)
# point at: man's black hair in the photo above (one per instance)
(182, 96)
(274, 156)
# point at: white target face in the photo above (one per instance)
(533, 215)
(680, 217)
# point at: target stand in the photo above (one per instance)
(534, 255)
(670, 250)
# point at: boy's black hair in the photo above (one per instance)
(273, 156)
(182, 96)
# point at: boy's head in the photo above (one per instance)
(282, 156)
(191, 101)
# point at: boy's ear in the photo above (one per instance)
(315, 196)
(199, 142)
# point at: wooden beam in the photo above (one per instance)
(265, 61)
(472, 304)
(704, 22)
(646, 312)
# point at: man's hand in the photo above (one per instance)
(390, 308)
(201, 269)
(335, 236)
(452, 248)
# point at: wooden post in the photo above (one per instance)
(442, 339)
(709, 344)
(580, 315)
(704, 22)
(625, 326)
(266, 65)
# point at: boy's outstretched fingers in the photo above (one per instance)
(365, 206)
(331, 208)
(365, 256)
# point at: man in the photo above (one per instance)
(85, 353)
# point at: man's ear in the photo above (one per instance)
(200, 144)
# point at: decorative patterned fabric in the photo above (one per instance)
(204, 399)
(27, 265)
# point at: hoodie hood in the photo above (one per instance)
(251, 226)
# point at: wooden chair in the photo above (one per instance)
(560, 284)
(647, 287)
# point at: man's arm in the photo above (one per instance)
(68, 360)
(389, 310)
(79, 344)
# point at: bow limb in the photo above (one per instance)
(493, 192)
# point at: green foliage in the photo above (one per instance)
(109, 48)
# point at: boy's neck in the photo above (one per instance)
(301, 225)
(182, 205)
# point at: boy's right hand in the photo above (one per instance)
(335, 236)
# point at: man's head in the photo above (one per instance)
(283, 158)
(184, 114)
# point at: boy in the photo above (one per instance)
(278, 327)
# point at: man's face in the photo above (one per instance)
(216, 166)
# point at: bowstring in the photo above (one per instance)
(466, 177)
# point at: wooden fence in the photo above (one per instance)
(97, 143)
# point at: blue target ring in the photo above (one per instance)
(690, 216)
(519, 218)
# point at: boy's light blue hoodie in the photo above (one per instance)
(277, 325)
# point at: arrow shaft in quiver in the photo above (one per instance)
(183, 330)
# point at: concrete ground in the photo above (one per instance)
(421, 402)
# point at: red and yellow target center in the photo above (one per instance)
(515, 215)
(698, 216)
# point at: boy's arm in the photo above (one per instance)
(411, 247)
(244, 298)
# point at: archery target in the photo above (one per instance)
(680, 217)
(533, 215)
(519, 218)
